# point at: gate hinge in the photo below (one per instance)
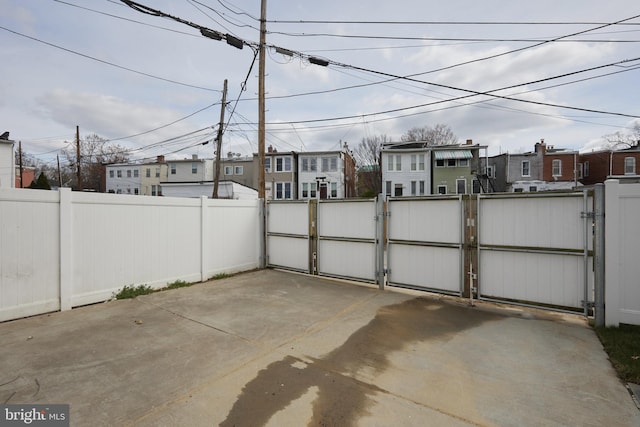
(588, 304)
(587, 215)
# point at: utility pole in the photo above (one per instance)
(219, 140)
(20, 160)
(261, 115)
(59, 174)
(78, 158)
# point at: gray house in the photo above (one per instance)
(509, 171)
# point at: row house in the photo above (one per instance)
(417, 169)
(326, 174)
(7, 162)
(544, 169)
(598, 166)
(137, 179)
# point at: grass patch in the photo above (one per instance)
(133, 291)
(178, 284)
(220, 276)
(622, 344)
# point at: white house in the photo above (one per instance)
(124, 178)
(326, 175)
(7, 162)
(190, 170)
(406, 170)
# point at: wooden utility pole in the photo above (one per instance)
(20, 160)
(79, 175)
(261, 112)
(219, 140)
(59, 174)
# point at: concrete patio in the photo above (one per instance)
(278, 348)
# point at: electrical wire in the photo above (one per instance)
(102, 61)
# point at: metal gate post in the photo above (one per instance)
(598, 253)
(380, 220)
(313, 236)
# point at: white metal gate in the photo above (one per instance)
(347, 242)
(536, 249)
(288, 235)
(425, 243)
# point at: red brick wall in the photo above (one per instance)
(599, 163)
(566, 169)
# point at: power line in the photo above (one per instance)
(107, 62)
(465, 23)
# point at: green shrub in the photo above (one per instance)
(133, 291)
(178, 284)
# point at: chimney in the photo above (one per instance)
(194, 157)
(160, 159)
(346, 146)
(469, 141)
(270, 149)
(541, 147)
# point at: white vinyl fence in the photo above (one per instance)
(61, 249)
(622, 249)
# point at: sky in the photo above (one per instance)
(505, 74)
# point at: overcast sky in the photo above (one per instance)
(118, 73)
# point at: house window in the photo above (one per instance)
(398, 162)
(135, 173)
(556, 167)
(461, 186)
(128, 173)
(119, 174)
(490, 172)
(451, 163)
(194, 168)
(329, 164)
(305, 190)
(148, 173)
(526, 168)
(309, 164)
(580, 170)
(267, 164)
(228, 170)
(398, 190)
(463, 163)
(283, 164)
(238, 170)
(312, 192)
(420, 162)
(387, 188)
(440, 163)
(173, 169)
(421, 187)
(283, 190)
(476, 188)
(390, 163)
(414, 188)
(629, 165)
(586, 168)
(334, 189)
(153, 190)
(136, 191)
(157, 172)
(442, 189)
(110, 174)
(533, 188)
(414, 162)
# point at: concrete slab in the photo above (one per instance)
(276, 348)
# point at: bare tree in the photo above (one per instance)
(367, 155)
(95, 153)
(440, 134)
(618, 140)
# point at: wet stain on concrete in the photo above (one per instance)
(341, 398)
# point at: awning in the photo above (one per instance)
(452, 154)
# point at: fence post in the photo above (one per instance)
(204, 235)
(598, 253)
(611, 254)
(380, 220)
(66, 249)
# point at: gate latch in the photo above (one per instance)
(587, 215)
